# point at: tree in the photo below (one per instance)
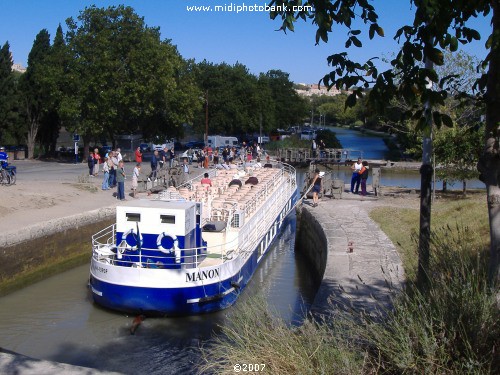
(289, 107)
(123, 78)
(457, 152)
(437, 25)
(8, 98)
(34, 92)
(54, 79)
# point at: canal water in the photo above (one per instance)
(56, 320)
(373, 147)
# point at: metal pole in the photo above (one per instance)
(206, 118)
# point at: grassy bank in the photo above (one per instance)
(452, 327)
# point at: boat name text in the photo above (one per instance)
(202, 275)
(99, 269)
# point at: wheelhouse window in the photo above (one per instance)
(167, 219)
(133, 217)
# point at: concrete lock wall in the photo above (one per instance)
(49, 242)
(312, 241)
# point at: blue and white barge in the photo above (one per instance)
(195, 248)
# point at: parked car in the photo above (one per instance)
(194, 144)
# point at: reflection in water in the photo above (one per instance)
(56, 319)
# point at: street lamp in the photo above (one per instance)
(206, 118)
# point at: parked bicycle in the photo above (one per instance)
(7, 174)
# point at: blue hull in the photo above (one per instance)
(174, 301)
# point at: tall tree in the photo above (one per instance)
(437, 25)
(34, 92)
(290, 108)
(8, 115)
(124, 78)
(54, 79)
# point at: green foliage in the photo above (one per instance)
(124, 78)
(425, 39)
(239, 102)
(329, 137)
(457, 152)
(255, 334)
(451, 327)
(9, 103)
(35, 94)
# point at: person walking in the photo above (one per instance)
(120, 180)
(105, 172)
(355, 179)
(363, 174)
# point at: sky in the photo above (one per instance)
(247, 37)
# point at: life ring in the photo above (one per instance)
(127, 244)
(175, 241)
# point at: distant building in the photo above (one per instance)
(18, 68)
(310, 89)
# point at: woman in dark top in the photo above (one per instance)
(317, 185)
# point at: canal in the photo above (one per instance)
(373, 147)
(56, 319)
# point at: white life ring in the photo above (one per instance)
(127, 245)
(175, 245)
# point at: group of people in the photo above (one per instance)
(112, 167)
(359, 176)
(318, 145)
(360, 171)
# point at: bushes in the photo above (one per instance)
(449, 327)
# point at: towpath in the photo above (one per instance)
(362, 264)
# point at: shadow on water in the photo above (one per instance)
(56, 319)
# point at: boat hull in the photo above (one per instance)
(195, 298)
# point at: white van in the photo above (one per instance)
(169, 143)
(215, 141)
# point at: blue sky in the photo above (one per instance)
(246, 37)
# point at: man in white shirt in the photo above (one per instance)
(356, 178)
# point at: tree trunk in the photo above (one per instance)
(464, 188)
(426, 172)
(31, 137)
(445, 186)
(489, 163)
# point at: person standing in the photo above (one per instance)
(120, 180)
(138, 155)
(97, 161)
(314, 146)
(105, 172)
(114, 169)
(154, 165)
(363, 174)
(355, 179)
(317, 184)
(171, 158)
(135, 179)
(185, 169)
(90, 164)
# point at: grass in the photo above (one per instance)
(402, 225)
(450, 327)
